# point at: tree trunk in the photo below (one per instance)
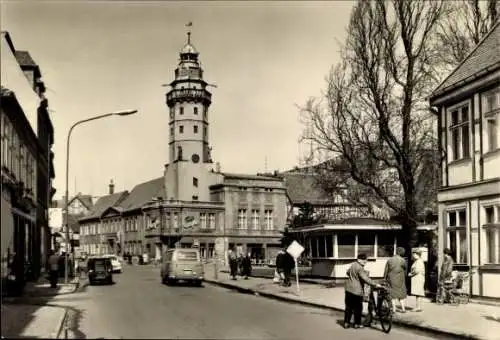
(408, 242)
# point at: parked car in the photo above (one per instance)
(100, 269)
(182, 265)
(117, 265)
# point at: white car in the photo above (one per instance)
(115, 263)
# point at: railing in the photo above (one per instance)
(186, 94)
(252, 232)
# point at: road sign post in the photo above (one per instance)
(295, 250)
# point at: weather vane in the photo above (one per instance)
(189, 24)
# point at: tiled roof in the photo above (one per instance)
(86, 200)
(251, 177)
(143, 193)
(24, 58)
(304, 187)
(104, 203)
(486, 55)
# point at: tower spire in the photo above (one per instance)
(189, 24)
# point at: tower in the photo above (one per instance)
(188, 102)
(188, 174)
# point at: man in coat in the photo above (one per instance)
(53, 268)
(233, 264)
(354, 291)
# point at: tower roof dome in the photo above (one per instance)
(188, 48)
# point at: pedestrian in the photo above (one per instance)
(233, 264)
(288, 265)
(246, 264)
(446, 273)
(395, 276)
(53, 269)
(280, 261)
(417, 275)
(357, 277)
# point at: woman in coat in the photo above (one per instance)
(246, 266)
(417, 275)
(395, 276)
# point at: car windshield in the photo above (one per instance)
(187, 256)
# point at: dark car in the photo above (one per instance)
(100, 270)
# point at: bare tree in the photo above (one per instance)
(464, 27)
(374, 114)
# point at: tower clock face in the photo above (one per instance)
(195, 158)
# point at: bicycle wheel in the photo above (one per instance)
(454, 299)
(385, 315)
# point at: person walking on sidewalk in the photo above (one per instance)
(395, 276)
(288, 265)
(246, 264)
(233, 264)
(280, 257)
(53, 269)
(357, 277)
(417, 275)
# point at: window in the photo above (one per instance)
(204, 132)
(320, 240)
(492, 133)
(385, 244)
(205, 113)
(457, 240)
(329, 245)
(211, 220)
(172, 132)
(268, 216)
(459, 130)
(172, 112)
(203, 220)
(491, 101)
(195, 129)
(194, 198)
(366, 244)
(242, 218)
(15, 154)
(181, 129)
(195, 110)
(6, 137)
(346, 243)
(176, 220)
(181, 110)
(255, 219)
(195, 182)
(492, 231)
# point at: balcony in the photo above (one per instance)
(195, 95)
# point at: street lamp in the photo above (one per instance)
(66, 199)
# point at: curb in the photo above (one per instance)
(401, 323)
(62, 326)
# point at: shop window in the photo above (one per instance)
(321, 246)
(346, 242)
(329, 246)
(314, 247)
(385, 244)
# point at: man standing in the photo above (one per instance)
(53, 268)
(354, 291)
(233, 264)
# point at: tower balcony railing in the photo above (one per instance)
(189, 95)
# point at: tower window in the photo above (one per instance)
(181, 129)
(172, 111)
(195, 197)
(195, 182)
(181, 110)
(205, 113)
(172, 131)
(195, 110)
(204, 132)
(195, 129)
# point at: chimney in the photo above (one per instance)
(111, 187)
(217, 167)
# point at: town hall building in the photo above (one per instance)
(193, 203)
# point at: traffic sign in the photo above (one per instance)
(295, 249)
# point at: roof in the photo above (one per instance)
(85, 199)
(304, 187)
(143, 193)
(104, 203)
(24, 58)
(251, 177)
(484, 56)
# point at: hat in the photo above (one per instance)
(362, 256)
(417, 251)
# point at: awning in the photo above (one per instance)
(347, 227)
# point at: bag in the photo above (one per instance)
(276, 278)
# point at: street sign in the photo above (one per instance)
(295, 249)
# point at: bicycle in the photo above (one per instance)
(382, 307)
(453, 291)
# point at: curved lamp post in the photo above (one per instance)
(66, 199)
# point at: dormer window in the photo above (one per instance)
(459, 132)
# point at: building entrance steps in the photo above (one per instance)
(471, 321)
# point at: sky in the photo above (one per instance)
(105, 56)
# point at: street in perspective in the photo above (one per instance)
(250, 170)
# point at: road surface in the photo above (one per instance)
(139, 306)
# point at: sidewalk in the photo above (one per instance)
(28, 316)
(471, 321)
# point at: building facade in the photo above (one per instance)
(194, 203)
(27, 169)
(467, 104)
